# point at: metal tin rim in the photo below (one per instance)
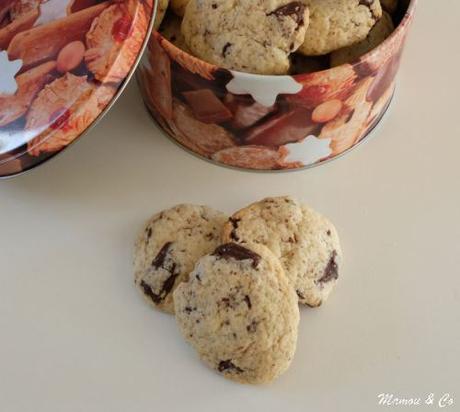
(116, 96)
(407, 15)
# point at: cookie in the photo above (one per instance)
(171, 30)
(178, 7)
(239, 313)
(389, 5)
(250, 36)
(161, 11)
(168, 247)
(382, 29)
(321, 255)
(305, 242)
(335, 24)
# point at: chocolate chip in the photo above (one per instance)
(248, 301)
(160, 258)
(234, 223)
(165, 289)
(149, 292)
(295, 10)
(329, 233)
(332, 270)
(160, 261)
(252, 327)
(225, 49)
(149, 232)
(226, 302)
(237, 252)
(228, 365)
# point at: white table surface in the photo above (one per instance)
(76, 336)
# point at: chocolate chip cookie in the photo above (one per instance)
(338, 23)
(168, 247)
(251, 36)
(239, 313)
(305, 242)
(382, 29)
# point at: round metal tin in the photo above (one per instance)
(63, 63)
(267, 123)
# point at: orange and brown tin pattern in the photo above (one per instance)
(270, 122)
(61, 62)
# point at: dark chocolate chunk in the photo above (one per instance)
(248, 301)
(252, 327)
(160, 258)
(149, 292)
(228, 365)
(238, 252)
(226, 302)
(332, 270)
(295, 10)
(168, 265)
(234, 223)
(165, 289)
(225, 49)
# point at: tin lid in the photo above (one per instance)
(63, 63)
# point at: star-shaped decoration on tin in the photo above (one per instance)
(8, 70)
(52, 10)
(308, 151)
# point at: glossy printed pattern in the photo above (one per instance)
(269, 122)
(61, 64)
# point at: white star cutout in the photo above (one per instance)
(308, 151)
(8, 70)
(263, 89)
(52, 10)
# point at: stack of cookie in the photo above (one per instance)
(276, 37)
(235, 283)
